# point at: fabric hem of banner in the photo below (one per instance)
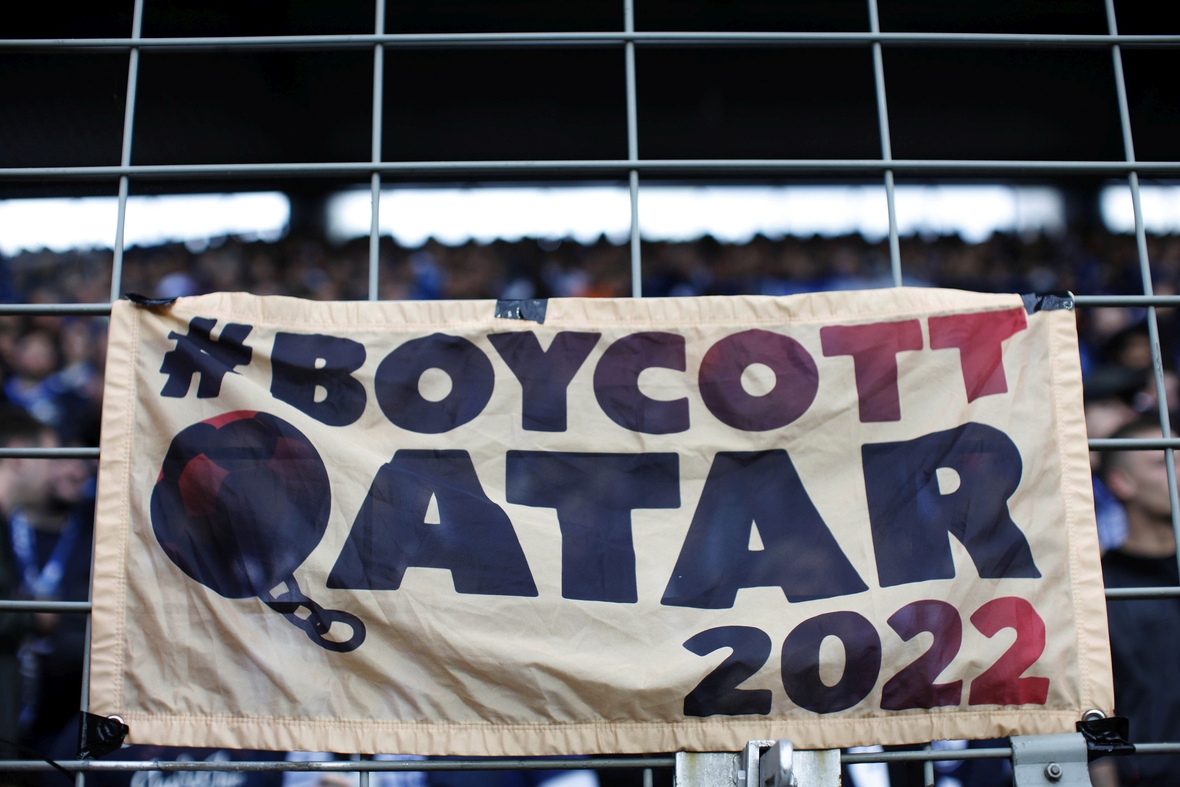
(109, 591)
(747, 310)
(547, 739)
(1077, 497)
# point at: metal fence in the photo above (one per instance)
(632, 167)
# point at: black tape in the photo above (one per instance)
(1107, 736)
(100, 735)
(1047, 301)
(150, 303)
(532, 309)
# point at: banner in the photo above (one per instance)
(582, 526)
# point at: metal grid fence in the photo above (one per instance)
(886, 166)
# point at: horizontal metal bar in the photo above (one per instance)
(1133, 443)
(605, 167)
(1157, 748)
(104, 309)
(998, 753)
(592, 39)
(350, 766)
(48, 453)
(1126, 300)
(500, 764)
(1131, 594)
(44, 606)
(55, 309)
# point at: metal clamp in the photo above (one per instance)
(763, 763)
(1105, 736)
(1044, 760)
(776, 766)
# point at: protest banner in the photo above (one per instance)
(580, 526)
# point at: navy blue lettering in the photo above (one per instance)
(911, 517)
(796, 380)
(800, 662)
(544, 375)
(594, 495)
(198, 353)
(616, 383)
(718, 693)
(296, 376)
(473, 537)
(799, 553)
(396, 383)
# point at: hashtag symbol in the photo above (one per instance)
(197, 353)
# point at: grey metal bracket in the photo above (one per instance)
(1050, 761)
(763, 763)
(707, 769)
(751, 762)
(776, 766)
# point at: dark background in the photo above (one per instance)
(569, 103)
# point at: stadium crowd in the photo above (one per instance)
(51, 371)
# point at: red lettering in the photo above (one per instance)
(1001, 683)
(874, 350)
(978, 337)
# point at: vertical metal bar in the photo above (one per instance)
(886, 146)
(633, 149)
(80, 776)
(125, 158)
(116, 287)
(928, 769)
(375, 189)
(636, 265)
(1145, 271)
(375, 180)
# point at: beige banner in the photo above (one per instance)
(595, 526)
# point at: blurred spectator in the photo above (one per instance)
(18, 479)
(63, 400)
(176, 285)
(1130, 348)
(52, 531)
(1109, 392)
(1144, 633)
(34, 359)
